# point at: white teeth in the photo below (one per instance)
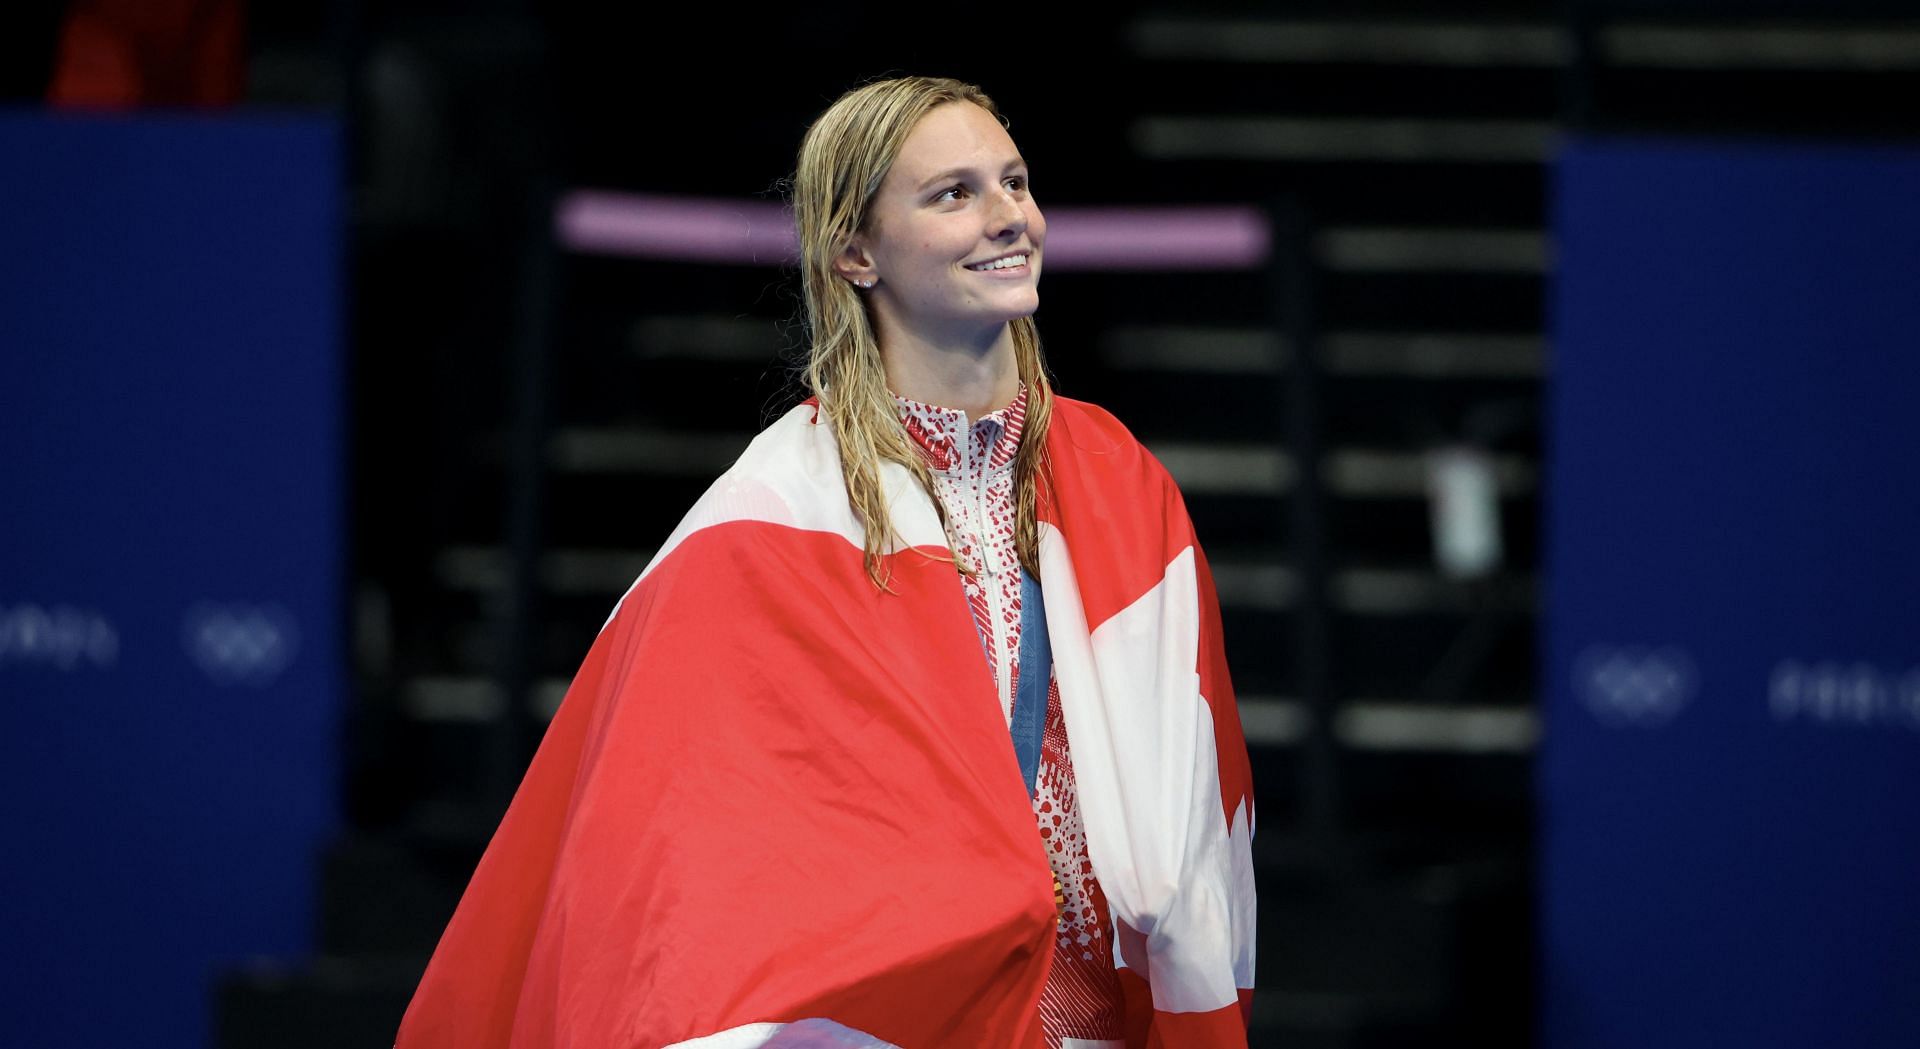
(1000, 264)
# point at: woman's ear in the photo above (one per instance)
(855, 265)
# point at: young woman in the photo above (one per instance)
(917, 731)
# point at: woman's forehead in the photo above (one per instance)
(951, 136)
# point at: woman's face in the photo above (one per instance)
(953, 238)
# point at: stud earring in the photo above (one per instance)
(868, 283)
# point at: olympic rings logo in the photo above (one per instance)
(240, 644)
(1635, 687)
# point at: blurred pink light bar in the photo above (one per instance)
(1166, 238)
(692, 229)
(755, 232)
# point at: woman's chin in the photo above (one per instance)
(1024, 304)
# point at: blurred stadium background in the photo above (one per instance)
(1357, 415)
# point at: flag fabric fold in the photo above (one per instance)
(777, 798)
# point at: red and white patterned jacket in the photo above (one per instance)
(972, 463)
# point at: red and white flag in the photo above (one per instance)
(781, 808)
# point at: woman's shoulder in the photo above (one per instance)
(1092, 426)
(790, 475)
(1096, 438)
(789, 472)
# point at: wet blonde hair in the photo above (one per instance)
(844, 158)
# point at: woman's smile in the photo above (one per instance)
(1012, 264)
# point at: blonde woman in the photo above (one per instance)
(918, 730)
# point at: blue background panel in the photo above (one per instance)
(170, 561)
(1732, 767)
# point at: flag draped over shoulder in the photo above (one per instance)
(778, 802)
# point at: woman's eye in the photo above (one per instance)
(1017, 183)
(951, 193)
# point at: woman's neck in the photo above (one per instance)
(976, 378)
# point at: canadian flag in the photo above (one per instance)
(780, 807)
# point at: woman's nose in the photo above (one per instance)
(1008, 218)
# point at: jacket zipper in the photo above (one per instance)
(989, 556)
